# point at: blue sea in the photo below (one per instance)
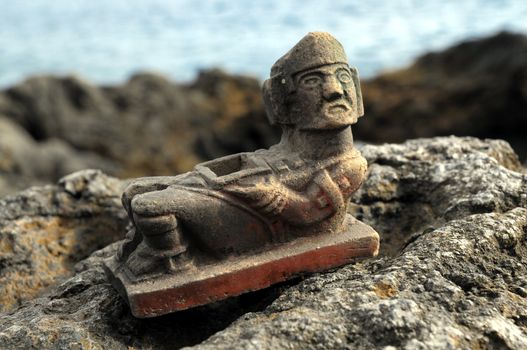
(106, 41)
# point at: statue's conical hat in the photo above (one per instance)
(314, 50)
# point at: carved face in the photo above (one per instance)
(324, 98)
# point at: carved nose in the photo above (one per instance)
(332, 89)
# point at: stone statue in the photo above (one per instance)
(248, 220)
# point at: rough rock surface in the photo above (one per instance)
(452, 213)
(44, 231)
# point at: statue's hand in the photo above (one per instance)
(349, 174)
(267, 196)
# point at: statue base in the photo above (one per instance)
(160, 295)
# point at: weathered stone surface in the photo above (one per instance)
(424, 183)
(44, 231)
(453, 214)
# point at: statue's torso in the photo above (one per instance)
(289, 169)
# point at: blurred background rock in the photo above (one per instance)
(470, 78)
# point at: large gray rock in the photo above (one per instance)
(477, 87)
(44, 231)
(25, 162)
(452, 213)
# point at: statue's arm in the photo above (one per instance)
(349, 174)
(321, 199)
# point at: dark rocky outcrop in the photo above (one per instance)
(25, 162)
(147, 126)
(476, 88)
(238, 121)
(452, 213)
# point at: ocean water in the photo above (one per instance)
(106, 41)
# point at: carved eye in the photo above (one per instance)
(311, 80)
(344, 76)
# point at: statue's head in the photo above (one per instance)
(312, 87)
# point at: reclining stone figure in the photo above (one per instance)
(248, 203)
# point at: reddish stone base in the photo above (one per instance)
(169, 293)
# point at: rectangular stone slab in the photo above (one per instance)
(155, 297)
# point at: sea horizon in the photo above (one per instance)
(107, 42)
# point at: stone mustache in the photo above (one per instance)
(245, 221)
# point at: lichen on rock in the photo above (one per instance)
(44, 231)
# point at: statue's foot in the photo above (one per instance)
(145, 261)
(178, 263)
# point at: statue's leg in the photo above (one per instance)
(211, 224)
(139, 186)
(144, 185)
(162, 239)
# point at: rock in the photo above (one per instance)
(147, 126)
(475, 88)
(239, 122)
(422, 184)
(25, 162)
(454, 287)
(452, 213)
(97, 119)
(44, 231)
